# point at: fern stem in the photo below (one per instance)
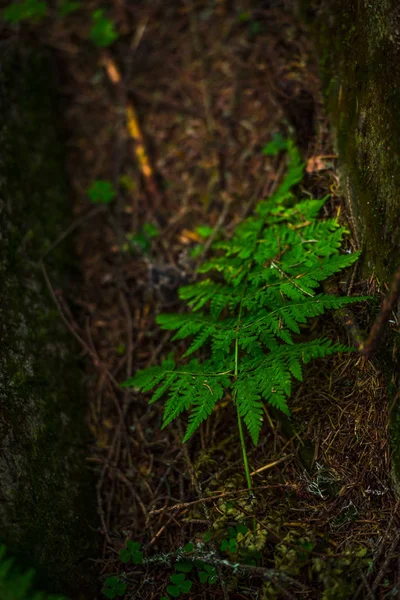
(245, 461)
(240, 426)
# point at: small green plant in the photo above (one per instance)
(179, 585)
(229, 544)
(206, 573)
(22, 11)
(245, 318)
(17, 585)
(204, 231)
(113, 587)
(103, 32)
(132, 553)
(101, 192)
(67, 7)
(142, 240)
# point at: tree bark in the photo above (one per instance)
(358, 42)
(45, 499)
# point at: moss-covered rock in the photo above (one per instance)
(46, 506)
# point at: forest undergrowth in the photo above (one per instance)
(166, 127)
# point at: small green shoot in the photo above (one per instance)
(114, 587)
(22, 11)
(101, 192)
(183, 567)
(141, 241)
(204, 231)
(230, 544)
(189, 547)
(67, 7)
(132, 553)
(103, 32)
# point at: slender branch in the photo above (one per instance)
(370, 346)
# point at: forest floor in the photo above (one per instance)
(211, 83)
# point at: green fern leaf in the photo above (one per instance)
(262, 287)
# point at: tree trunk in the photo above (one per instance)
(359, 49)
(45, 499)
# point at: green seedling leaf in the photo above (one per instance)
(276, 145)
(68, 7)
(132, 553)
(207, 536)
(208, 574)
(181, 585)
(229, 545)
(204, 231)
(189, 547)
(22, 11)
(141, 240)
(186, 586)
(151, 230)
(196, 250)
(101, 192)
(113, 587)
(103, 32)
(240, 528)
(177, 578)
(183, 567)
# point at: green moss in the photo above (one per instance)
(359, 42)
(47, 504)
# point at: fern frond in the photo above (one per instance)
(263, 285)
(186, 325)
(149, 378)
(203, 403)
(218, 295)
(249, 405)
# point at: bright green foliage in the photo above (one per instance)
(114, 587)
(263, 286)
(204, 231)
(15, 585)
(101, 192)
(22, 11)
(103, 31)
(132, 553)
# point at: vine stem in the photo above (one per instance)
(240, 426)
